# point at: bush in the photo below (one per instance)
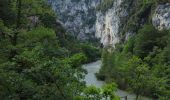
(92, 53)
(146, 39)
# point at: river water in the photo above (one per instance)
(91, 79)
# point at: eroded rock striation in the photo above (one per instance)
(108, 24)
(77, 16)
(161, 17)
(83, 19)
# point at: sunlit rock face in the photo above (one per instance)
(78, 16)
(108, 24)
(82, 19)
(161, 17)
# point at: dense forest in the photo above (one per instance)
(140, 64)
(39, 60)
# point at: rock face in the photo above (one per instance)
(108, 24)
(78, 16)
(83, 19)
(161, 17)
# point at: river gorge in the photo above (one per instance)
(91, 79)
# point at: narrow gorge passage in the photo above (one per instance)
(46, 47)
(91, 79)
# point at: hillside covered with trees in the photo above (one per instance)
(140, 64)
(41, 57)
(39, 60)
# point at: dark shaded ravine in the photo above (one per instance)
(91, 79)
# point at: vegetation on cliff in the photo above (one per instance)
(141, 64)
(38, 59)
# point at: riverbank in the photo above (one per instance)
(91, 79)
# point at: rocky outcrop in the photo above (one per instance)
(161, 17)
(108, 24)
(77, 16)
(83, 19)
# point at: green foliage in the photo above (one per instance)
(10, 17)
(94, 93)
(92, 52)
(147, 38)
(49, 20)
(37, 68)
(36, 62)
(77, 59)
(109, 91)
(40, 34)
(142, 66)
(128, 47)
(140, 12)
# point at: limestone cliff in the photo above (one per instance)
(77, 16)
(161, 17)
(125, 14)
(83, 19)
(108, 24)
